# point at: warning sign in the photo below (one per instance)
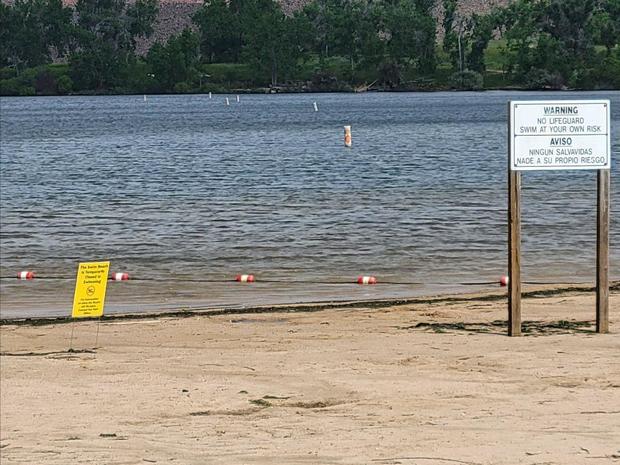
(90, 287)
(560, 135)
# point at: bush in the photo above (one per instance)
(57, 69)
(45, 83)
(182, 88)
(467, 80)
(7, 73)
(606, 74)
(390, 74)
(10, 87)
(215, 88)
(228, 73)
(496, 80)
(537, 78)
(581, 79)
(40, 80)
(27, 91)
(324, 80)
(64, 84)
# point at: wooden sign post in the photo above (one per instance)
(558, 135)
(602, 252)
(514, 253)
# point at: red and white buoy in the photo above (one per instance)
(245, 278)
(347, 136)
(25, 275)
(119, 276)
(366, 280)
(503, 281)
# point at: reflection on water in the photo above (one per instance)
(184, 186)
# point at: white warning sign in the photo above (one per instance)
(560, 135)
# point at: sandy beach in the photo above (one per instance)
(432, 381)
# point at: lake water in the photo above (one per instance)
(184, 192)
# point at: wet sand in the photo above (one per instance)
(428, 382)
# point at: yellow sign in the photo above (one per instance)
(90, 286)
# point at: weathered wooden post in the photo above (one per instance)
(514, 245)
(602, 252)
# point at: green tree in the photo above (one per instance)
(411, 29)
(605, 24)
(8, 21)
(220, 34)
(450, 35)
(32, 31)
(107, 34)
(270, 44)
(566, 21)
(353, 33)
(314, 15)
(521, 26)
(480, 28)
(177, 61)
(98, 67)
(550, 43)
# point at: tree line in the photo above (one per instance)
(47, 47)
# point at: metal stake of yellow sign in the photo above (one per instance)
(90, 287)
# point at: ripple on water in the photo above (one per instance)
(185, 186)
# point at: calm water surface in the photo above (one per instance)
(185, 187)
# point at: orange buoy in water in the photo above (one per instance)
(504, 280)
(25, 275)
(347, 136)
(245, 278)
(366, 280)
(119, 277)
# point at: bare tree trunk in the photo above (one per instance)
(274, 68)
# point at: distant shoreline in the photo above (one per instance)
(266, 91)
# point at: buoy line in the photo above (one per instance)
(250, 278)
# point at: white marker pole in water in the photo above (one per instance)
(316, 107)
(227, 102)
(347, 136)
(145, 97)
(237, 99)
(209, 94)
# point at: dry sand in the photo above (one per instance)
(423, 383)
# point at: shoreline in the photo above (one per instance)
(264, 91)
(181, 311)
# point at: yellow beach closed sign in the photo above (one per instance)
(90, 287)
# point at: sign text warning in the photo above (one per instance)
(560, 135)
(90, 287)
